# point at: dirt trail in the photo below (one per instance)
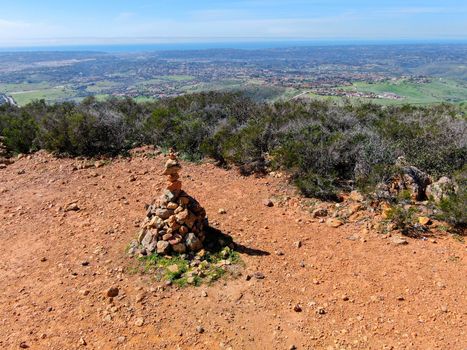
(354, 294)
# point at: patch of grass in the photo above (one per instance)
(50, 95)
(183, 269)
(436, 91)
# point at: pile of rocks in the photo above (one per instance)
(175, 222)
(4, 154)
(409, 178)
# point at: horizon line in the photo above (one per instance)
(129, 41)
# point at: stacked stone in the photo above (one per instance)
(4, 154)
(175, 222)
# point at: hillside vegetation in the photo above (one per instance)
(326, 147)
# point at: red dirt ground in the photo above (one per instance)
(375, 295)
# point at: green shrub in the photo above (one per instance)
(19, 131)
(403, 218)
(453, 208)
(327, 148)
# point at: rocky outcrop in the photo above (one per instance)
(176, 222)
(409, 178)
(441, 189)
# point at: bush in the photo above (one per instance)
(19, 130)
(326, 147)
(453, 208)
(403, 219)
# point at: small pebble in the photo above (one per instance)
(112, 292)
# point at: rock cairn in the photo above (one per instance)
(4, 154)
(175, 222)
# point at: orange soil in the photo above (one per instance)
(375, 295)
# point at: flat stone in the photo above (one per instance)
(141, 235)
(319, 212)
(423, 220)
(72, 207)
(167, 236)
(397, 240)
(172, 206)
(333, 222)
(148, 238)
(163, 213)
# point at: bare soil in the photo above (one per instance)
(56, 266)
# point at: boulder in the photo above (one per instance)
(408, 178)
(440, 189)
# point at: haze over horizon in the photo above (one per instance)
(53, 22)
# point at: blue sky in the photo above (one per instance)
(26, 22)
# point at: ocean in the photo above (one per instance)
(122, 48)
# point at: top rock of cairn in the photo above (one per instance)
(175, 222)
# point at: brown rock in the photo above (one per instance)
(72, 207)
(162, 247)
(179, 248)
(397, 240)
(182, 216)
(333, 222)
(112, 292)
(172, 206)
(173, 177)
(167, 236)
(356, 196)
(423, 220)
(353, 208)
(184, 200)
(319, 212)
(174, 186)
